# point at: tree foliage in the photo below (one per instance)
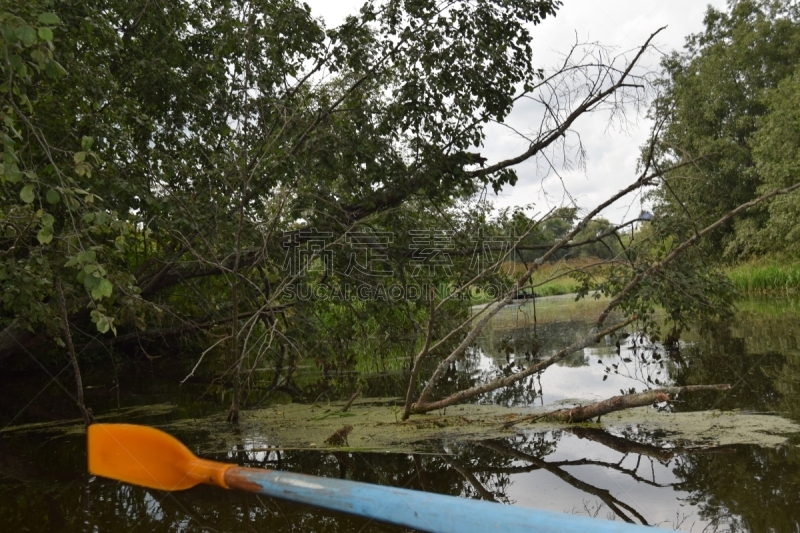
(156, 155)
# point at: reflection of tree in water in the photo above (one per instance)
(743, 488)
(620, 508)
(746, 489)
(526, 341)
(720, 356)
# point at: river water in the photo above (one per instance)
(620, 475)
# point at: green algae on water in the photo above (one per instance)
(377, 427)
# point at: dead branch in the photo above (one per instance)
(351, 400)
(423, 404)
(412, 380)
(644, 180)
(586, 106)
(616, 403)
(641, 276)
(482, 491)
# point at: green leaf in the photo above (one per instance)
(90, 281)
(38, 56)
(26, 194)
(13, 174)
(87, 257)
(45, 34)
(9, 157)
(79, 157)
(52, 196)
(16, 62)
(82, 169)
(49, 18)
(54, 69)
(47, 220)
(45, 235)
(105, 288)
(102, 290)
(102, 325)
(86, 143)
(27, 35)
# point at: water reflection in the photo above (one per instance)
(758, 354)
(583, 471)
(624, 476)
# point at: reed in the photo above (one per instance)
(760, 278)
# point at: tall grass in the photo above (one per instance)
(754, 278)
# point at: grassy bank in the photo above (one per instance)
(762, 277)
(766, 276)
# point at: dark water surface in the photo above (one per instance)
(582, 470)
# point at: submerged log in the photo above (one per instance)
(583, 413)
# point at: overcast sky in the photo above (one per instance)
(611, 154)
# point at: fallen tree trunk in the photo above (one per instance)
(616, 403)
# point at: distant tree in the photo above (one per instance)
(776, 151)
(714, 95)
(607, 247)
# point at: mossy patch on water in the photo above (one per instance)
(376, 427)
(701, 429)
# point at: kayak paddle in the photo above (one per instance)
(149, 457)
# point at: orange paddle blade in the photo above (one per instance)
(146, 456)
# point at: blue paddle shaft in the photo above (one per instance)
(424, 511)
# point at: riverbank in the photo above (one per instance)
(763, 276)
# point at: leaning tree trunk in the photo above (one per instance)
(62, 304)
(233, 413)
